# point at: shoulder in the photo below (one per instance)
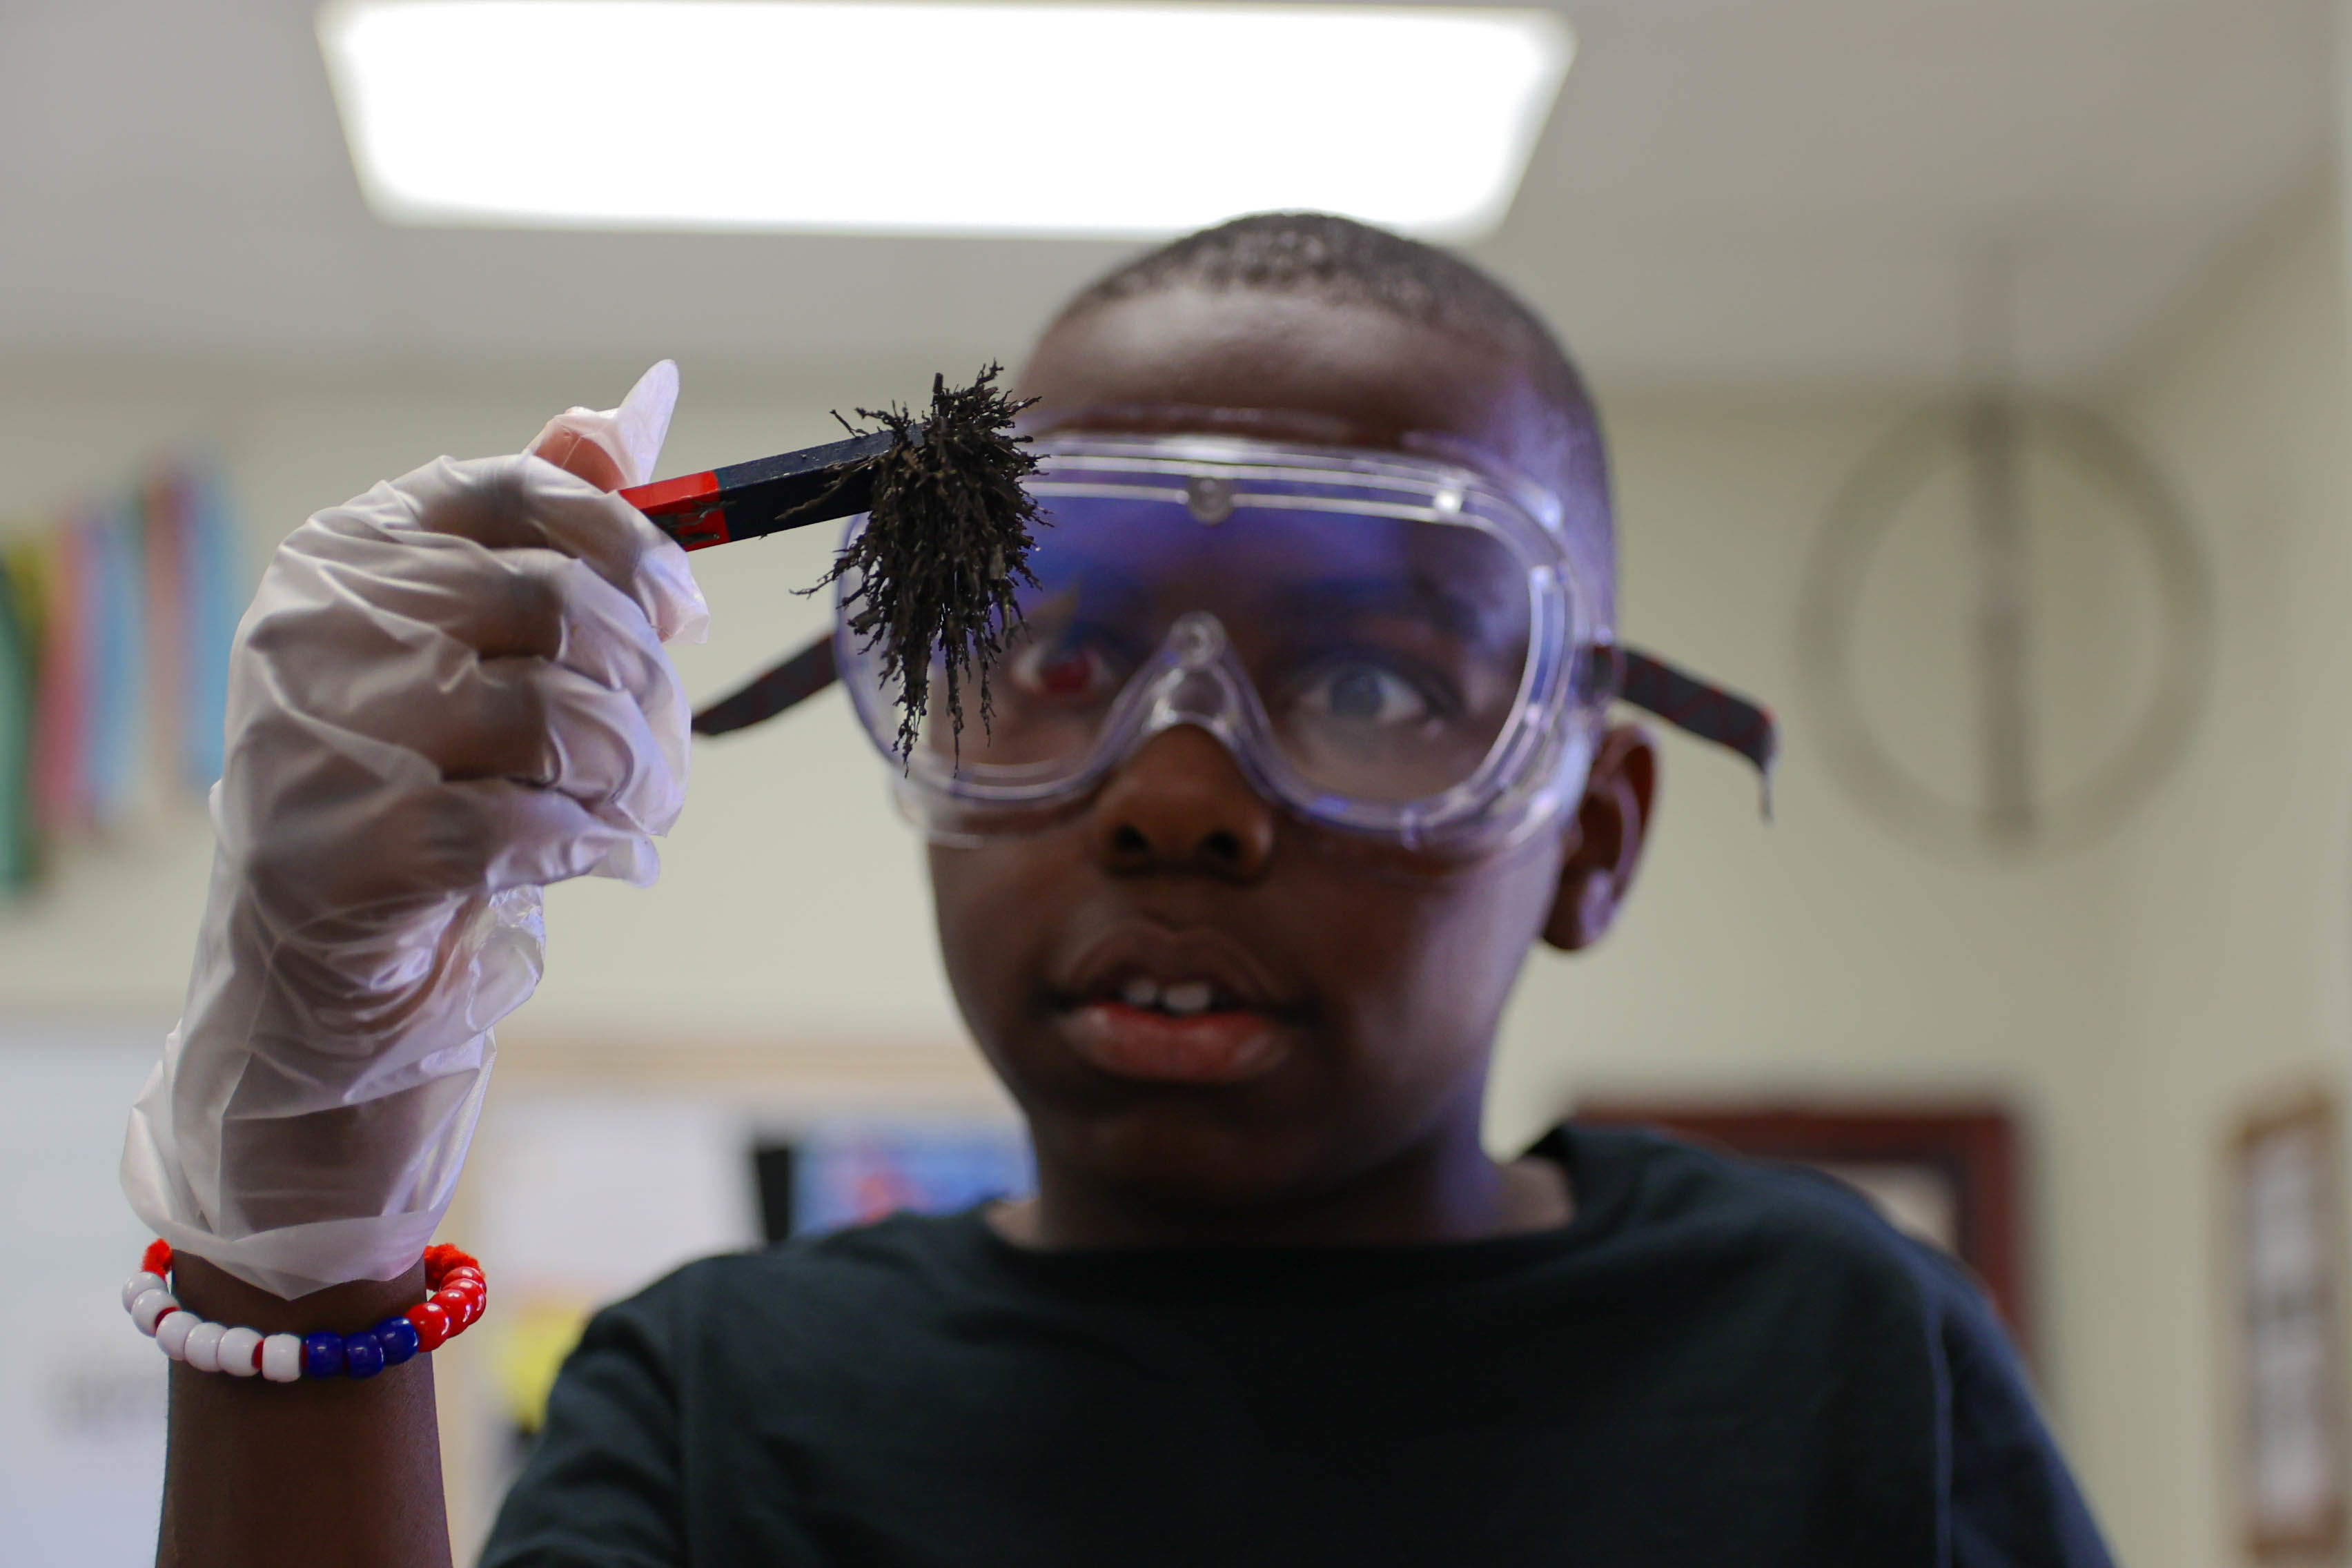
(1795, 1230)
(1795, 1279)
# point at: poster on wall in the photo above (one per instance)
(847, 1172)
(2282, 1215)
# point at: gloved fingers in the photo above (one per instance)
(587, 626)
(542, 724)
(501, 603)
(346, 875)
(528, 503)
(537, 836)
(591, 743)
(616, 447)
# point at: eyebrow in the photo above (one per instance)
(1457, 613)
(1086, 586)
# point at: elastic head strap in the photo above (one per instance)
(788, 685)
(1693, 706)
(1698, 708)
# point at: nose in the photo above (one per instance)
(1181, 804)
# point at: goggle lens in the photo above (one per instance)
(1384, 655)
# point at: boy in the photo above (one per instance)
(1297, 759)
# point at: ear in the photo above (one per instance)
(1605, 845)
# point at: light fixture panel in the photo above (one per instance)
(937, 118)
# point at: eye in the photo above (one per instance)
(1067, 670)
(1362, 693)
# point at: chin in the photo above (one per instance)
(1193, 1160)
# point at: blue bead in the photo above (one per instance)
(399, 1338)
(362, 1354)
(323, 1355)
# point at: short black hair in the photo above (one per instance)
(1345, 262)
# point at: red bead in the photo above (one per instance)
(440, 1258)
(456, 1276)
(432, 1321)
(157, 1259)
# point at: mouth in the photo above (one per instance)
(1169, 1007)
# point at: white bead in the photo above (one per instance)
(152, 1304)
(281, 1358)
(236, 1348)
(172, 1335)
(138, 1285)
(204, 1346)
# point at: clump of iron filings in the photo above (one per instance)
(945, 544)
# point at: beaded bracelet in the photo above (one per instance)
(457, 1294)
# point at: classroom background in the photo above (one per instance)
(2048, 940)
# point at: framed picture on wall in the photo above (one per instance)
(1947, 1174)
(2281, 1213)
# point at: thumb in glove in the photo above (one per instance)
(617, 447)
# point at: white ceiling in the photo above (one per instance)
(1730, 190)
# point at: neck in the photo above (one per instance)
(1441, 1188)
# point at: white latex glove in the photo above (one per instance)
(449, 692)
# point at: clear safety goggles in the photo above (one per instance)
(1393, 647)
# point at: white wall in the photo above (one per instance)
(2232, 898)
(2125, 996)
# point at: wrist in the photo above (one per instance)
(216, 1294)
(458, 1294)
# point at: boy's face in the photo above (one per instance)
(1362, 984)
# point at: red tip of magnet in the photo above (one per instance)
(666, 496)
(698, 531)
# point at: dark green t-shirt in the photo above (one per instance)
(1715, 1363)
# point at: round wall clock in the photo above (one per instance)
(2004, 628)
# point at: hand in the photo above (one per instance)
(449, 692)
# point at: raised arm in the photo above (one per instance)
(449, 693)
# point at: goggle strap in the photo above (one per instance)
(789, 684)
(1690, 704)
(1699, 707)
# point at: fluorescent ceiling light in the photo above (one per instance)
(1034, 119)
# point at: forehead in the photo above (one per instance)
(1287, 365)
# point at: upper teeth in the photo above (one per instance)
(1191, 996)
(1185, 996)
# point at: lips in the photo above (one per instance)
(1165, 1006)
